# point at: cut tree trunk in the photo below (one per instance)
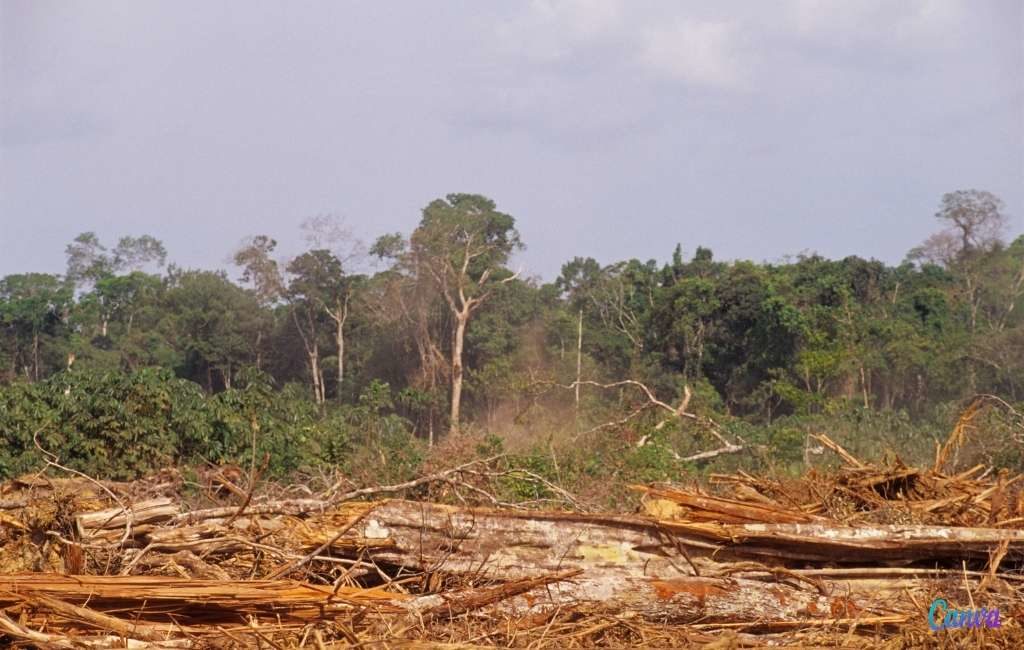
(659, 570)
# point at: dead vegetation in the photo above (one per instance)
(852, 558)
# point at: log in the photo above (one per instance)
(207, 600)
(666, 571)
(703, 507)
(143, 512)
(836, 543)
(627, 564)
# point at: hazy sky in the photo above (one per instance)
(609, 128)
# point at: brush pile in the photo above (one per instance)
(853, 558)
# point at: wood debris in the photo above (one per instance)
(850, 559)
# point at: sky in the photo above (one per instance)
(608, 128)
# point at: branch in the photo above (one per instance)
(398, 487)
(479, 300)
(512, 277)
(51, 461)
(704, 455)
(680, 412)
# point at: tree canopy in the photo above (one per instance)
(448, 337)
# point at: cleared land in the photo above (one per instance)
(854, 558)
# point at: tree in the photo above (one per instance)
(618, 296)
(212, 323)
(409, 316)
(681, 324)
(463, 242)
(975, 223)
(260, 269)
(114, 324)
(91, 265)
(89, 261)
(31, 306)
(319, 283)
(975, 216)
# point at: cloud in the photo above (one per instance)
(551, 30)
(661, 41)
(700, 52)
(722, 47)
(910, 24)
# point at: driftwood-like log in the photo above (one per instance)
(843, 544)
(143, 512)
(515, 544)
(626, 564)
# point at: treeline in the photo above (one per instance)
(456, 337)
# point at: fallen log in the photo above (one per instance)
(702, 507)
(835, 543)
(210, 601)
(142, 512)
(627, 564)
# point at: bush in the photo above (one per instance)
(112, 424)
(124, 425)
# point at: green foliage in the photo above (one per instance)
(122, 425)
(110, 424)
(519, 486)
(464, 229)
(119, 372)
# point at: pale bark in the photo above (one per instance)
(339, 314)
(339, 337)
(864, 387)
(579, 362)
(312, 355)
(35, 356)
(660, 570)
(458, 290)
(461, 319)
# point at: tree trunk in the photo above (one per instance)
(461, 318)
(864, 387)
(972, 368)
(35, 355)
(339, 319)
(661, 569)
(259, 349)
(340, 337)
(579, 363)
(314, 371)
(312, 353)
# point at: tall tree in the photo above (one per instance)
(974, 224)
(463, 242)
(319, 283)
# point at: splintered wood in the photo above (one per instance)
(854, 558)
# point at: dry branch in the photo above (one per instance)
(852, 557)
